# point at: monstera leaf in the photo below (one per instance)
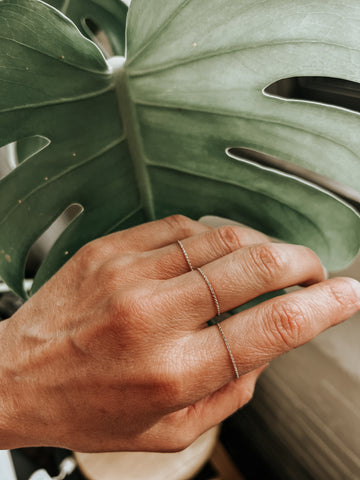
(137, 138)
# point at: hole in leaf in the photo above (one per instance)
(29, 146)
(8, 159)
(98, 36)
(331, 91)
(16, 152)
(254, 156)
(43, 244)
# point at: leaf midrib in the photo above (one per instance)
(131, 127)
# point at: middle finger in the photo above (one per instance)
(240, 277)
(197, 250)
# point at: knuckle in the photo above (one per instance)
(268, 261)
(87, 259)
(92, 254)
(229, 237)
(124, 307)
(169, 379)
(115, 272)
(287, 321)
(87, 253)
(108, 275)
(129, 318)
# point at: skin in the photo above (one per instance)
(114, 353)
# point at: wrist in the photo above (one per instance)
(7, 428)
(15, 402)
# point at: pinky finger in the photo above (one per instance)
(213, 409)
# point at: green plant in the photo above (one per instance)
(137, 139)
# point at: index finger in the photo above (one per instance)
(152, 235)
(274, 327)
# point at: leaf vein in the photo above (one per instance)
(253, 117)
(179, 63)
(124, 219)
(73, 65)
(157, 32)
(59, 100)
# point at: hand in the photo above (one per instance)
(114, 353)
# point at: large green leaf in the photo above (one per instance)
(147, 137)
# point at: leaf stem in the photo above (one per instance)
(128, 114)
